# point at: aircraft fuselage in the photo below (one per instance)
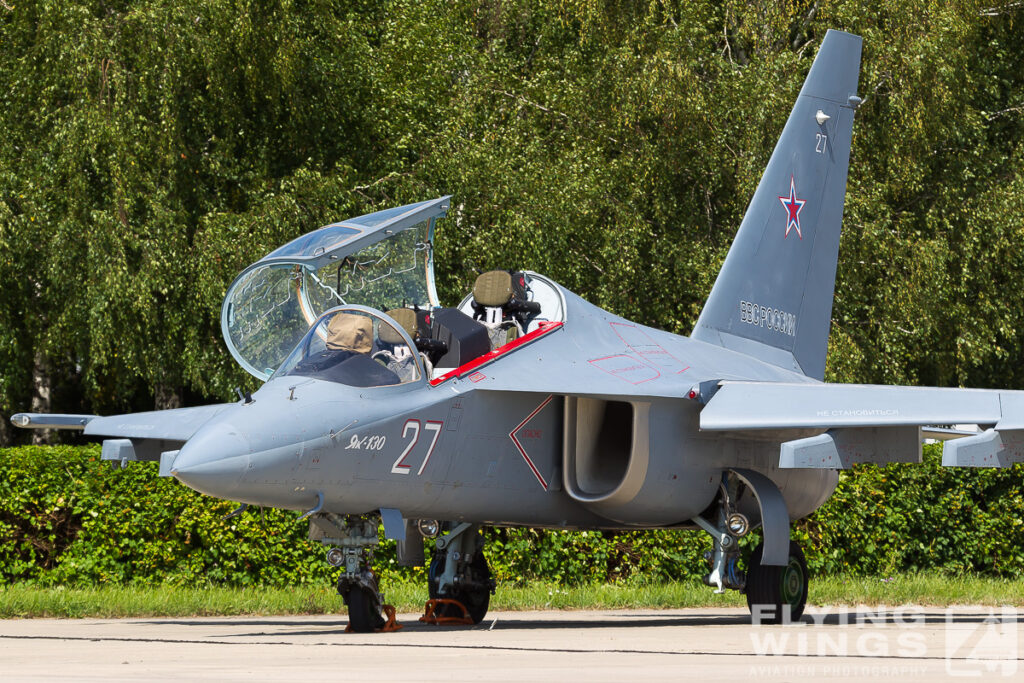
(457, 449)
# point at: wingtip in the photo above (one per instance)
(51, 421)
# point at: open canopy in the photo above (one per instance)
(383, 260)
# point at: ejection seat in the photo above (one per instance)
(398, 356)
(500, 302)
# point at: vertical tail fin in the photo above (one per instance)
(773, 297)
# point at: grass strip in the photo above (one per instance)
(917, 589)
(25, 601)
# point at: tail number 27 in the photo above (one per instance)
(411, 431)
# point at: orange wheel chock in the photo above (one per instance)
(433, 606)
(392, 623)
(390, 626)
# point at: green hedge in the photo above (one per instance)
(68, 519)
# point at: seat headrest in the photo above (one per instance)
(493, 288)
(406, 317)
(350, 332)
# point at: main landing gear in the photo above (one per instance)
(777, 595)
(776, 578)
(459, 581)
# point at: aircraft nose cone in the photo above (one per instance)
(212, 461)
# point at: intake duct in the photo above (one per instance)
(617, 467)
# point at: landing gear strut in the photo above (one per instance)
(459, 571)
(777, 591)
(726, 532)
(354, 538)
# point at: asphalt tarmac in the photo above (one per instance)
(830, 644)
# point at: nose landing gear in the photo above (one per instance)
(354, 538)
(364, 605)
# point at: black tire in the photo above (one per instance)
(476, 600)
(363, 610)
(771, 589)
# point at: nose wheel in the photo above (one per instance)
(364, 608)
(351, 540)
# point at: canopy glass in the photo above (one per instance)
(383, 260)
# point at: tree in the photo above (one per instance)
(153, 149)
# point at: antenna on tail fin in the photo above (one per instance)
(773, 297)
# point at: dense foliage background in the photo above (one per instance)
(68, 519)
(151, 149)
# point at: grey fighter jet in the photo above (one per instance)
(527, 406)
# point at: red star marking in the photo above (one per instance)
(793, 207)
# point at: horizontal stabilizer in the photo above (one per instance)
(945, 433)
(991, 448)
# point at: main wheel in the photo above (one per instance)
(774, 591)
(363, 610)
(476, 599)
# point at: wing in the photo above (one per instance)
(137, 436)
(178, 424)
(838, 425)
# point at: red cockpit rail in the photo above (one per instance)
(543, 329)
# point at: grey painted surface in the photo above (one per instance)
(761, 405)
(50, 421)
(178, 424)
(991, 448)
(774, 516)
(841, 449)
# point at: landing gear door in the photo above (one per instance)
(383, 260)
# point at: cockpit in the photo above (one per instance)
(354, 302)
(353, 346)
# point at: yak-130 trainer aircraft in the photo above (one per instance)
(527, 406)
